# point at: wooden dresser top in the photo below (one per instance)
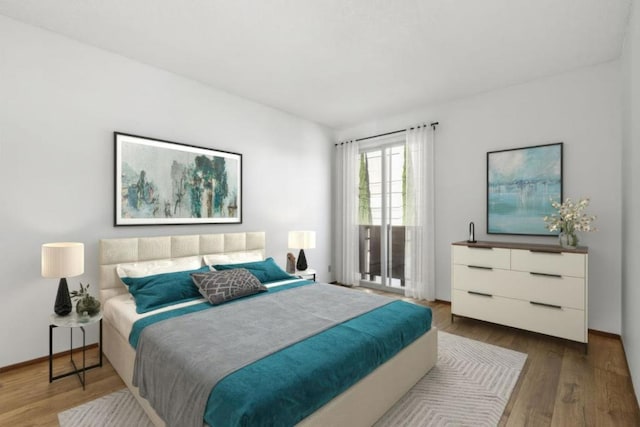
(535, 247)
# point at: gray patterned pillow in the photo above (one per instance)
(227, 285)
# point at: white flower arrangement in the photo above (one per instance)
(570, 217)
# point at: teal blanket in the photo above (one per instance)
(286, 387)
(289, 385)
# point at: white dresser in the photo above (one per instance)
(540, 288)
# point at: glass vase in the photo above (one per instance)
(568, 240)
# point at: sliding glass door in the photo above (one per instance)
(382, 204)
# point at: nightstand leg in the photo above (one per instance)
(100, 349)
(51, 353)
(84, 349)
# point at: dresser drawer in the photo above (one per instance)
(564, 291)
(487, 280)
(565, 323)
(482, 257)
(562, 263)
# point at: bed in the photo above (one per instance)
(361, 404)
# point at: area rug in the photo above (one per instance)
(117, 409)
(469, 386)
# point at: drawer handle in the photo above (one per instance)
(480, 247)
(558, 307)
(559, 276)
(480, 267)
(480, 294)
(545, 251)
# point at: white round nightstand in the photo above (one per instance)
(73, 321)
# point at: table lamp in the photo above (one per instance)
(62, 260)
(302, 240)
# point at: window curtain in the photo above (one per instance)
(346, 214)
(419, 214)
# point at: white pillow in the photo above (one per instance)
(233, 257)
(149, 268)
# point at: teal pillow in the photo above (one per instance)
(266, 271)
(161, 290)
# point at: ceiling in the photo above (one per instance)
(343, 62)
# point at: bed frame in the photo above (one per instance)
(360, 405)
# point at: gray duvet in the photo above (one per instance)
(180, 360)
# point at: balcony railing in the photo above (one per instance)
(370, 252)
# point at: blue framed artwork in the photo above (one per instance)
(520, 184)
(163, 182)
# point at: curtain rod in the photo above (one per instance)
(432, 124)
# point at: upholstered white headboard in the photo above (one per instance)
(118, 251)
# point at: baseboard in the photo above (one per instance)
(605, 334)
(8, 368)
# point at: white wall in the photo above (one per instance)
(61, 101)
(631, 198)
(581, 109)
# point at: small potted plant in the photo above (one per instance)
(85, 302)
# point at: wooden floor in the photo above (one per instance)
(559, 385)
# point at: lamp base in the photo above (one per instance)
(63, 300)
(301, 265)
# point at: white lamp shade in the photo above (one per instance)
(65, 259)
(302, 239)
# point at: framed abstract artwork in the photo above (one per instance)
(521, 183)
(163, 182)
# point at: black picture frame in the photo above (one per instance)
(521, 182)
(159, 182)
